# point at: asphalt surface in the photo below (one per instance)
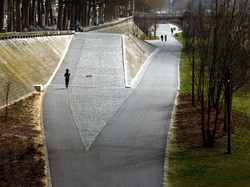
(129, 150)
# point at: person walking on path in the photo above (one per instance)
(165, 37)
(66, 75)
(161, 37)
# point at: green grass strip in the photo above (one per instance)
(190, 166)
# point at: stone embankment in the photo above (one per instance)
(25, 62)
(28, 61)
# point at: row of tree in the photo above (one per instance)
(220, 45)
(21, 14)
(63, 13)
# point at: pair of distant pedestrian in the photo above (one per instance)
(67, 75)
(165, 37)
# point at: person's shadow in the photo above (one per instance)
(60, 88)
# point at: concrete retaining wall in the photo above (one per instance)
(28, 61)
(125, 27)
(136, 53)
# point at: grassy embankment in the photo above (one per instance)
(192, 165)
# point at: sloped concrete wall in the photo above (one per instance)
(28, 61)
(136, 53)
(126, 27)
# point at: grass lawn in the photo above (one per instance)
(189, 164)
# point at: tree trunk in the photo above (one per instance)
(59, 18)
(18, 16)
(47, 10)
(51, 21)
(39, 12)
(32, 16)
(82, 13)
(65, 18)
(202, 106)
(2, 15)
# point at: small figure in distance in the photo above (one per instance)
(66, 75)
(161, 37)
(165, 37)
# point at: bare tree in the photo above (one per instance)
(7, 92)
(221, 44)
(180, 5)
(157, 4)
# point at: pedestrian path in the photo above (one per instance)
(100, 132)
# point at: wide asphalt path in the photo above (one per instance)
(130, 149)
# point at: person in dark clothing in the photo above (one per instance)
(66, 75)
(165, 37)
(161, 37)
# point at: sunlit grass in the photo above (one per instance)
(189, 166)
(241, 104)
(184, 68)
(145, 37)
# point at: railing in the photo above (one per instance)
(158, 15)
(10, 35)
(107, 24)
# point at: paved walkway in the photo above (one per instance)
(99, 133)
